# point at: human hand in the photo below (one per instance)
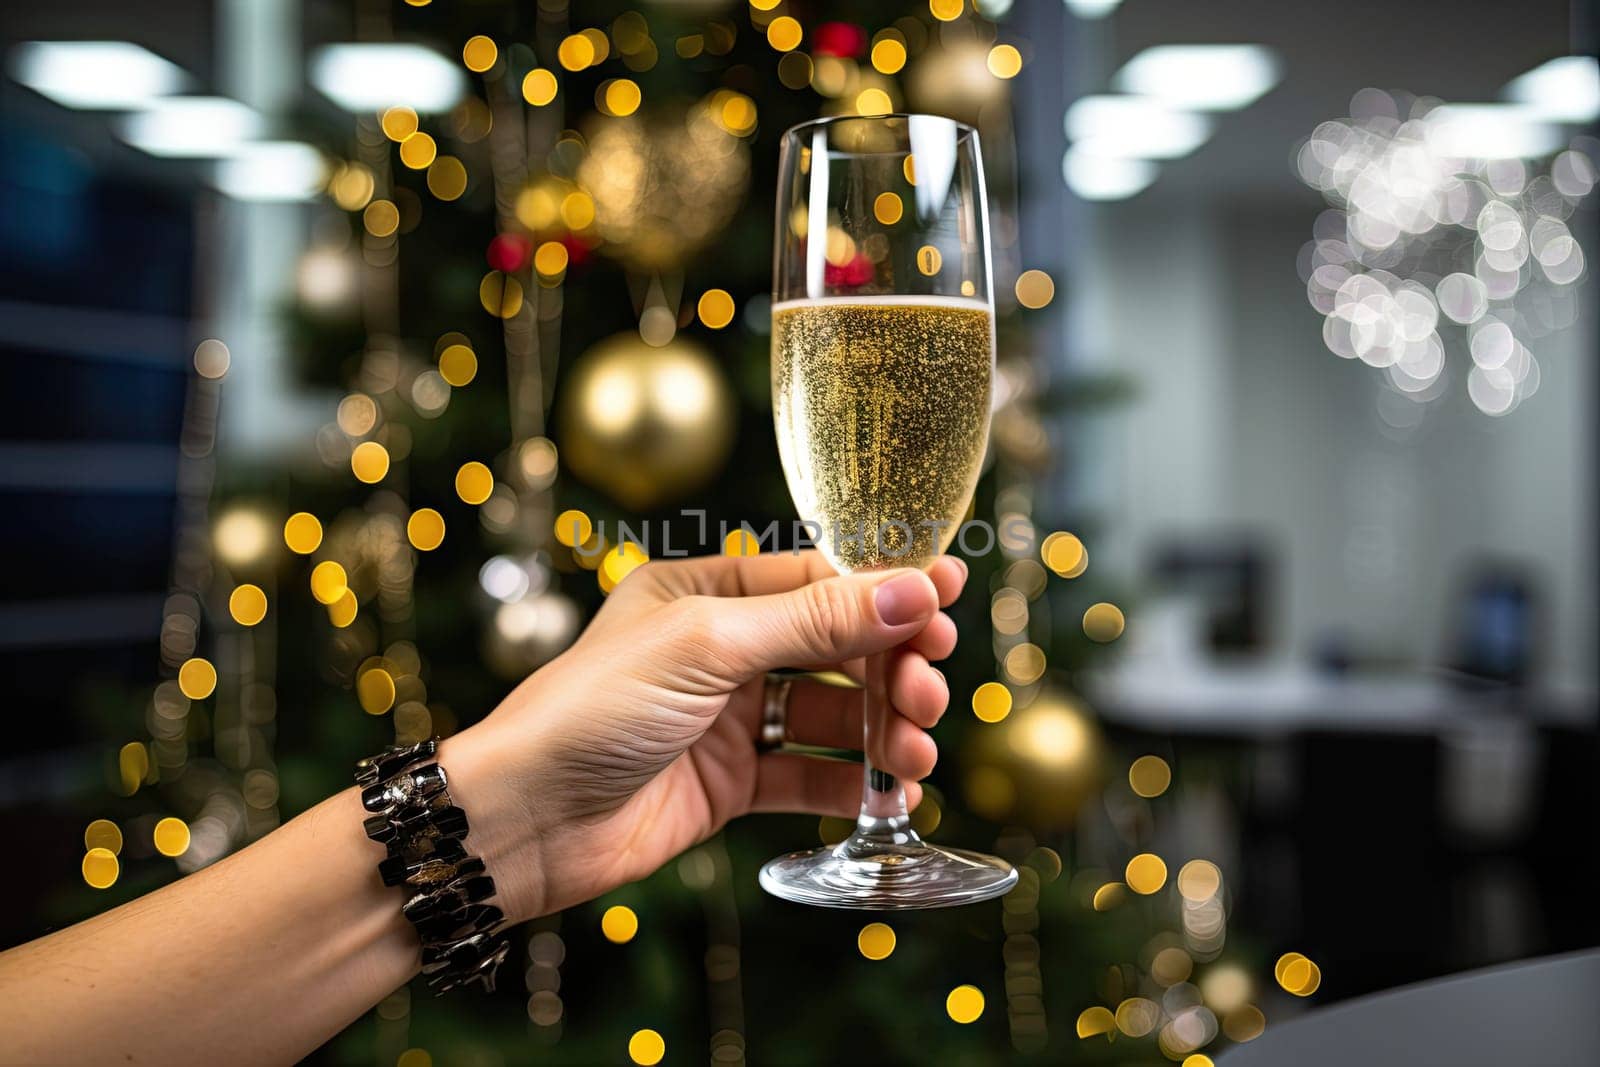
(640, 740)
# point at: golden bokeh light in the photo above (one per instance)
(873, 102)
(539, 87)
(887, 208)
(197, 678)
(908, 167)
(458, 365)
(945, 10)
(1109, 896)
(211, 358)
(573, 528)
(577, 210)
(876, 941)
(352, 186)
(1297, 974)
(737, 114)
(474, 482)
(765, 5)
(576, 52)
(621, 97)
(302, 533)
(375, 691)
(1025, 664)
(646, 1048)
(1138, 1016)
(929, 259)
(1199, 881)
(247, 604)
(1062, 552)
(620, 562)
(1004, 61)
(447, 178)
(381, 218)
(964, 1004)
(171, 837)
(619, 924)
(414, 1057)
(399, 123)
(784, 33)
(369, 462)
(795, 70)
(500, 295)
(715, 308)
(1198, 1059)
(1035, 289)
(479, 54)
(425, 529)
(1226, 987)
(741, 542)
(991, 702)
(1149, 776)
(1171, 965)
(104, 834)
(1103, 622)
(599, 42)
(1146, 873)
(550, 259)
(100, 868)
(1244, 1024)
(418, 151)
(342, 612)
(133, 766)
(888, 56)
(1095, 1021)
(328, 582)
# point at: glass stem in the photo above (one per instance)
(884, 822)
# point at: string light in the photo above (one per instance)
(964, 1004)
(247, 604)
(171, 837)
(1149, 776)
(646, 1048)
(302, 533)
(539, 87)
(876, 941)
(328, 582)
(991, 702)
(715, 308)
(425, 529)
(619, 924)
(479, 54)
(197, 678)
(474, 482)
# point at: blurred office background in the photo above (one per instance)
(1297, 341)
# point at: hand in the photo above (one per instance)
(640, 740)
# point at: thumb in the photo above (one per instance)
(828, 621)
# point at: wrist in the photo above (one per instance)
(505, 822)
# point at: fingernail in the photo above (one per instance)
(901, 600)
(965, 570)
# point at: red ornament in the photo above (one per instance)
(578, 250)
(843, 39)
(858, 271)
(509, 252)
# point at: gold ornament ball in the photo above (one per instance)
(646, 425)
(1038, 765)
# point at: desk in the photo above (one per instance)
(1539, 1013)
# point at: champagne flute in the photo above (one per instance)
(882, 358)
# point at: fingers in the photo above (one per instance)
(949, 575)
(937, 640)
(903, 749)
(730, 576)
(830, 715)
(793, 783)
(823, 622)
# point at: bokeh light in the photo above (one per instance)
(103, 833)
(211, 358)
(197, 678)
(474, 482)
(646, 1048)
(425, 529)
(479, 54)
(302, 532)
(1149, 776)
(619, 924)
(1146, 873)
(247, 604)
(1103, 622)
(964, 1004)
(369, 462)
(171, 837)
(1035, 289)
(375, 690)
(876, 941)
(1004, 61)
(328, 582)
(539, 87)
(715, 308)
(991, 702)
(458, 365)
(100, 868)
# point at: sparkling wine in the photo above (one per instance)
(882, 410)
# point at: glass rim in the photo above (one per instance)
(963, 130)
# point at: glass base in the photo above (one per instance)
(875, 875)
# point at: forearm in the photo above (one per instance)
(257, 959)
